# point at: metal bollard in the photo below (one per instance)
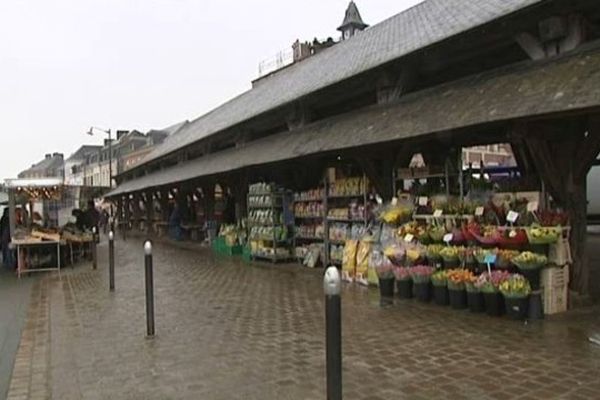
(332, 286)
(94, 250)
(149, 289)
(111, 261)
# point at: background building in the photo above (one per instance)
(75, 165)
(52, 166)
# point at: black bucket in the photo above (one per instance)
(494, 304)
(475, 302)
(405, 289)
(533, 276)
(458, 299)
(386, 287)
(517, 307)
(440, 295)
(422, 291)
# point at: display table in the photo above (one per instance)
(29, 243)
(193, 230)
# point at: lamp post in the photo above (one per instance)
(108, 132)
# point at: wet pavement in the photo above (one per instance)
(14, 301)
(228, 330)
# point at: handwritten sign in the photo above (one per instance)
(479, 211)
(437, 213)
(512, 216)
(423, 201)
(409, 237)
(448, 238)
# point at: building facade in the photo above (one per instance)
(75, 165)
(52, 166)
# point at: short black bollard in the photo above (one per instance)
(111, 261)
(94, 250)
(149, 289)
(333, 321)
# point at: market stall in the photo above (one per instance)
(41, 231)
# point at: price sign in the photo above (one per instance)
(490, 259)
(394, 201)
(409, 237)
(479, 211)
(533, 206)
(437, 213)
(423, 201)
(448, 238)
(512, 216)
(379, 199)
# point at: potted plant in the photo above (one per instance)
(421, 277)
(385, 273)
(474, 296)
(433, 254)
(456, 287)
(516, 290)
(450, 256)
(529, 265)
(488, 284)
(440, 287)
(404, 282)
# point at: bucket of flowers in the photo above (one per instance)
(385, 273)
(436, 233)
(504, 258)
(450, 256)
(395, 253)
(421, 277)
(481, 255)
(404, 282)
(474, 296)
(433, 254)
(529, 265)
(415, 255)
(543, 234)
(457, 279)
(516, 291)
(489, 285)
(439, 281)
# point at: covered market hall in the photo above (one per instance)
(336, 134)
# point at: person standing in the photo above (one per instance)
(5, 239)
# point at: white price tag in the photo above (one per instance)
(394, 201)
(479, 211)
(409, 237)
(423, 201)
(437, 213)
(512, 216)
(448, 237)
(533, 206)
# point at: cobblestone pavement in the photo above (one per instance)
(226, 330)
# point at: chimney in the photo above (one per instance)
(48, 156)
(57, 155)
(301, 50)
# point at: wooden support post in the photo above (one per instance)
(150, 212)
(563, 163)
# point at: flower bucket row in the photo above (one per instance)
(496, 292)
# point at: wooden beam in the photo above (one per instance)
(589, 148)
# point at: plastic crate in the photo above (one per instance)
(231, 250)
(246, 254)
(560, 252)
(218, 245)
(555, 289)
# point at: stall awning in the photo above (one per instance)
(519, 91)
(33, 182)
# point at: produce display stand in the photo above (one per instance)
(24, 245)
(309, 216)
(267, 213)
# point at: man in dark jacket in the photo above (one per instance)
(5, 239)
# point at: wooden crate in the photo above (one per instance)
(560, 252)
(555, 289)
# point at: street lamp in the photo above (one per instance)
(91, 133)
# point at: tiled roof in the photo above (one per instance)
(352, 17)
(423, 25)
(523, 90)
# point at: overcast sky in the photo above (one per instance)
(125, 64)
